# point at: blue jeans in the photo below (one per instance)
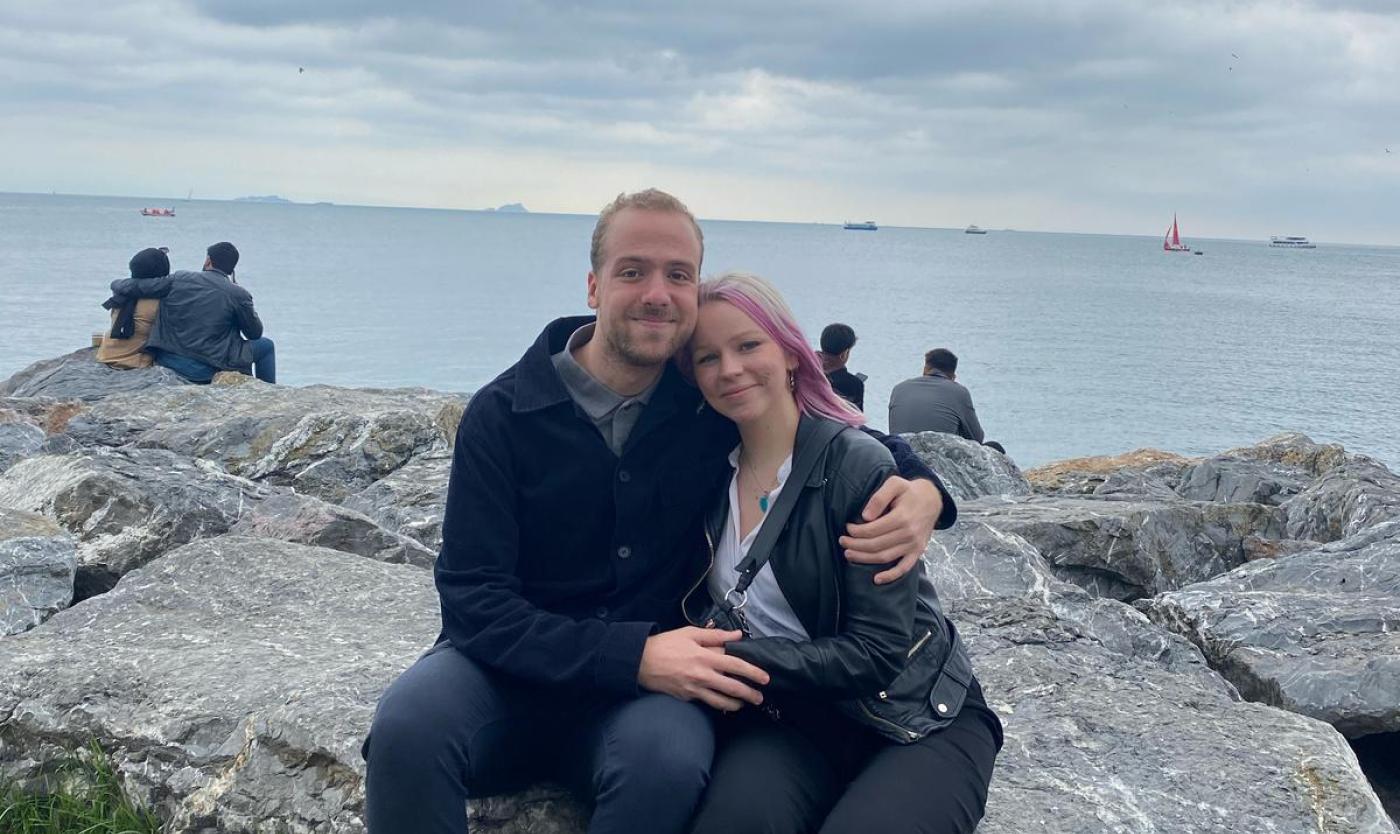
(264, 363)
(449, 728)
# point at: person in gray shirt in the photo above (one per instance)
(206, 322)
(935, 401)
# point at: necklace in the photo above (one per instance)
(753, 481)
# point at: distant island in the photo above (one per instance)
(269, 198)
(511, 207)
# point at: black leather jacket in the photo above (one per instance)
(884, 653)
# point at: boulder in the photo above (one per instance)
(1129, 549)
(975, 559)
(1316, 633)
(1083, 476)
(968, 469)
(19, 439)
(1345, 500)
(307, 520)
(325, 441)
(1102, 739)
(1241, 480)
(1294, 451)
(37, 563)
(79, 376)
(232, 683)
(127, 506)
(410, 501)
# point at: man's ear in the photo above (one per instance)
(592, 290)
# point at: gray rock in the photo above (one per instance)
(1129, 549)
(410, 501)
(1345, 500)
(1146, 472)
(37, 564)
(974, 559)
(1316, 633)
(1296, 451)
(1101, 739)
(1235, 480)
(79, 376)
(232, 682)
(324, 441)
(307, 520)
(1157, 481)
(968, 469)
(127, 506)
(19, 439)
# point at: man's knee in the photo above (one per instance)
(660, 742)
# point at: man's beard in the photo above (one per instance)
(621, 345)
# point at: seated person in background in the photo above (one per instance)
(124, 345)
(837, 341)
(935, 401)
(204, 319)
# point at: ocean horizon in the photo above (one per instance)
(1071, 343)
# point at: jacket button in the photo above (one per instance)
(624, 552)
(624, 476)
(942, 707)
(884, 696)
(601, 613)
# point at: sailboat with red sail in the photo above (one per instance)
(1173, 240)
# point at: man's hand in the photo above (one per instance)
(690, 664)
(899, 519)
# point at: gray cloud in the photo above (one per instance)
(1078, 112)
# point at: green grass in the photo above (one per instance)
(90, 802)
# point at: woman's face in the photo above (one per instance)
(740, 369)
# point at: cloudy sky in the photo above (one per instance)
(1246, 118)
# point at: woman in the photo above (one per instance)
(124, 346)
(873, 720)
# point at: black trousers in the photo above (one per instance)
(813, 770)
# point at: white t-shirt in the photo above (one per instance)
(767, 610)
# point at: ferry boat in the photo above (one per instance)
(974, 230)
(157, 212)
(1292, 242)
(866, 226)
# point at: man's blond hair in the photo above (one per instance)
(651, 199)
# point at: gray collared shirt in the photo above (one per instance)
(612, 414)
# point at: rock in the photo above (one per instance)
(127, 506)
(410, 501)
(1234, 480)
(231, 682)
(1347, 499)
(37, 564)
(79, 376)
(1316, 633)
(968, 469)
(974, 559)
(1098, 739)
(1151, 468)
(1129, 549)
(307, 520)
(1296, 451)
(19, 439)
(324, 441)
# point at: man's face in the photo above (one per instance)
(646, 290)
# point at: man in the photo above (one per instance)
(935, 401)
(572, 530)
(207, 322)
(837, 341)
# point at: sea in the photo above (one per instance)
(1071, 344)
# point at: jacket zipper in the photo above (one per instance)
(873, 717)
(919, 645)
(685, 611)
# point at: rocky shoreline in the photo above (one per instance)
(216, 582)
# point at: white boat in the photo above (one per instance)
(974, 230)
(1292, 242)
(866, 226)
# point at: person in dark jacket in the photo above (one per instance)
(873, 719)
(837, 341)
(935, 401)
(124, 346)
(207, 322)
(579, 481)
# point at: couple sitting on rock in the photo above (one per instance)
(194, 323)
(702, 610)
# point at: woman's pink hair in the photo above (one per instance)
(761, 302)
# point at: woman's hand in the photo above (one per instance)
(899, 519)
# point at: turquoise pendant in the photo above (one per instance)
(763, 503)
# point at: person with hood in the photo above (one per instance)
(124, 346)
